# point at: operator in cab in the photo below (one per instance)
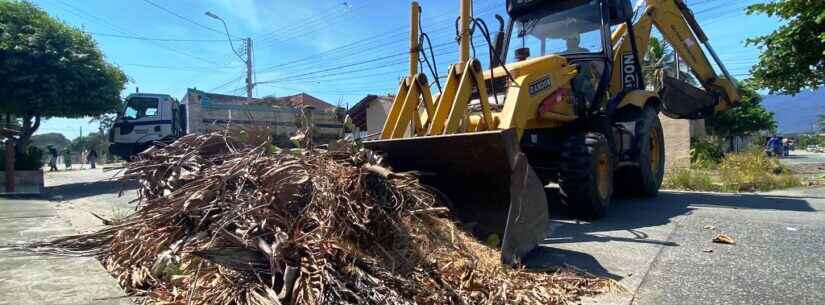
(573, 42)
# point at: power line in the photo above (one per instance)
(223, 85)
(153, 38)
(173, 13)
(304, 24)
(373, 46)
(307, 29)
(92, 17)
(177, 68)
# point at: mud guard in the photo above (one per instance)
(490, 185)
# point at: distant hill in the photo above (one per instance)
(54, 139)
(796, 113)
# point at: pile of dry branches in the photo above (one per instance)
(223, 222)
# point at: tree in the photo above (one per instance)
(94, 140)
(748, 117)
(793, 56)
(805, 140)
(820, 121)
(56, 140)
(49, 69)
(659, 61)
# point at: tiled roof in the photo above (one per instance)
(302, 100)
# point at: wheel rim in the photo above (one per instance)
(603, 175)
(655, 149)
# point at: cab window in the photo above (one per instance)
(140, 107)
(572, 31)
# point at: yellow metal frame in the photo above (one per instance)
(448, 113)
(678, 27)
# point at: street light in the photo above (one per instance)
(228, 37)
(247, 61)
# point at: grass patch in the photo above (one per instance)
(741, 172)
(690, 179)
(754, 171)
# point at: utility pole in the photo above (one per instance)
(249, 81)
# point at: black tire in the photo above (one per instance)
(644, 177)
(586, 175)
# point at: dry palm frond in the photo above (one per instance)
(222, 222)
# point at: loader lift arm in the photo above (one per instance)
(679, 27)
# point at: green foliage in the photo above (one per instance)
(791, 58)
(94, 140)
(754, 171)
(31, 159)
(808, 139)
(705, 153)
(820, 121)
(56, 140)
(49, 69)
(741, 172)
(748, 117)
(690, 179)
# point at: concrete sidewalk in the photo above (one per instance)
(26, 278)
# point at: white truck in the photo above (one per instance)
(148, 118)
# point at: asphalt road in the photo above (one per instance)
(660, 249)
(804, 157)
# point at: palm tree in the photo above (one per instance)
(659, 61)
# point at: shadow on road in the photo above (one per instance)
(633, 216)
(548, 257)
(73, 191)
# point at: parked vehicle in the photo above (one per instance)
(149, 117)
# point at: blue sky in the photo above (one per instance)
(167, 46)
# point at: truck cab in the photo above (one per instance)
(145, 118)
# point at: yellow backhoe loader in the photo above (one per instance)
(569, 106)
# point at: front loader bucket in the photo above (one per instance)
(491, 187)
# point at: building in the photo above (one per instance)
(370, 112)
(301, 100)
(283, 117)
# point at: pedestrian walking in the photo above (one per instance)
(52, 158)
(91, 157)
(67, 158)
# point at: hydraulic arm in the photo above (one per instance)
(678, 26)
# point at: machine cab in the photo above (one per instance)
(578, 30)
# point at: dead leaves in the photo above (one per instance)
(222, 222)
(719, 237)
(724, 239)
